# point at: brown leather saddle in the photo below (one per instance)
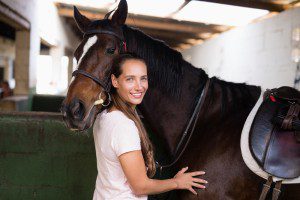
(275, 133)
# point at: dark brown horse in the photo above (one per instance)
(175, 87)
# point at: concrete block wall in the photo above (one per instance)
(259, 53)
(41, 159)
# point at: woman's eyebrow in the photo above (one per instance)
(129, 76)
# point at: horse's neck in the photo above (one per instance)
(167, 115)
(226, 99)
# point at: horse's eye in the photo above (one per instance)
(110, 50)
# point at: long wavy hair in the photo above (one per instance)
(122, 105)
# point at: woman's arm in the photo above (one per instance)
(134, 169)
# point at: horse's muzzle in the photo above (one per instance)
(73, 114)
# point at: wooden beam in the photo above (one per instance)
(144, 21)
(13, 18)
(170, 34)
(251, 4)
(294, 2)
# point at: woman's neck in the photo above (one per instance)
(112, 108)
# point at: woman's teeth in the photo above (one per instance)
(137, 95)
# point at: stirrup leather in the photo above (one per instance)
(266, 188)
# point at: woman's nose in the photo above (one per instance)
(138, 85)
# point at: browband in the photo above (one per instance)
(95, 31)
(90, 32)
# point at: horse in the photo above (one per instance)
(175, 88)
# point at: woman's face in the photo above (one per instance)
(132, 83)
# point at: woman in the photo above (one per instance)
(124, 152)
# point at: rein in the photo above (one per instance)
(192, 123)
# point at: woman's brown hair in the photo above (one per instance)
(120, 104)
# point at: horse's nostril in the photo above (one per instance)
(63, 110)
(77, 109)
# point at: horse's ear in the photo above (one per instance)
(81, 20)
(120, 15)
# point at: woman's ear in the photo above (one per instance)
(114, 81)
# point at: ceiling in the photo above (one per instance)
(177, 34)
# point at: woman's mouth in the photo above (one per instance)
(136, 95)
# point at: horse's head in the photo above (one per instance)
(88, 92)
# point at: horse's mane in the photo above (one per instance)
(166, 64)
(167, 67)
(235, 97)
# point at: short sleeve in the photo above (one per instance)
(125, 138)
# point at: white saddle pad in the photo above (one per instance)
(247, 156)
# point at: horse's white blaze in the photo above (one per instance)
(246, 154)
(89, 43)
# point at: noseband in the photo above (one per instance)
(104, 85)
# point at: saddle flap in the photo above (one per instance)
(260, 132)
(283, 155)
(274, 137)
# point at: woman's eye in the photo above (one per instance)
(129, 79)
(110, 50)
(144, 78)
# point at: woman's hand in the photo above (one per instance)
(187, 181)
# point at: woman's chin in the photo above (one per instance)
(136, 101)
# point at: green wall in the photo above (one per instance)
(41, 159)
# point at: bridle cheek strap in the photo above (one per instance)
(105, 86)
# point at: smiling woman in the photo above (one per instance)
(132, 82)
(125, 158)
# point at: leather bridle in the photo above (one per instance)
(105, 85)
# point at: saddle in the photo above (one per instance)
(275, 133)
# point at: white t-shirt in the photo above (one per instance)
(114, 134)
